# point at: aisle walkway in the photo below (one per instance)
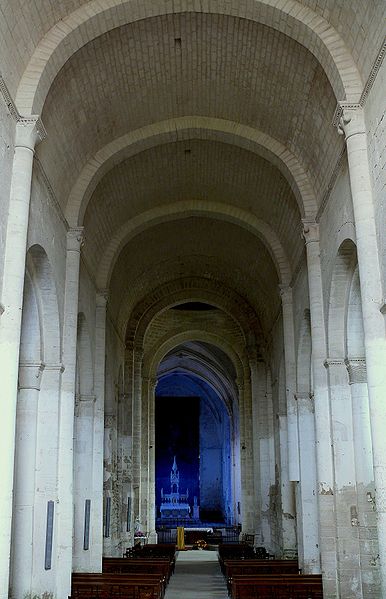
(197, 576)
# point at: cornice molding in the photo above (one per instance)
(373, 73)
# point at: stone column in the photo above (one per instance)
(151, 517)
(25, 466)
(290, 382)
(258, 388)
(346, 509)
(309, 556)
(98, 431)
(28, 132)
(137, 430)
(125, 451)
(352, 125)
(144, 452)
(266, 454)
(110, 460)
(246, 455)
(324, 460)
(287, 495)
(367, 524)
(66, 415)
(83, 479)
(46, 476)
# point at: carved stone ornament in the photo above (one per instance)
(110, 420)
(310, 230)
(356, 368)
(30, 375)
(349, 119)
(75, 239)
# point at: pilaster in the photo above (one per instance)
(290, 381)
(28, 132)
(352, 125)
(66, 413)
(102, 296)
(307, 523)
(323, 436)
(30, 376)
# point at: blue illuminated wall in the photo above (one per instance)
(213, 444)
(177, 434)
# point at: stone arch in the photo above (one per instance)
(40, 273)
(355, 337)
(97, 16)
(191, 289)
(209, 374)
(38, 394)
(162, 132)
(185, 209)
(154, 355)
(338, 301)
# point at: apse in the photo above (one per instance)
(193, 426)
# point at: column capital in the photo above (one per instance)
(151, 381)
(356, 368)
(330, 362)
(102, 297)
(29, 132)
(240, 384)
(310, 230)
(110, 420)
(55, 367)
(349, 119)
(30, 375)
(285, 294)
(85, 398)
(75, 239)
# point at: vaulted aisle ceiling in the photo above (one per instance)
(191, 140)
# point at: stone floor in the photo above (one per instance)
(197, 575)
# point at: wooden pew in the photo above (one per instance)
(266, 586)
(121, 565)
(258, 567)
(153, 551)
(116, 586)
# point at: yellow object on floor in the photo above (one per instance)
(180, 537)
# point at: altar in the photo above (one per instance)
(175, 505)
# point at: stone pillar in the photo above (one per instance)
(246, 456)
(287, 496)
(346, 509)
(46, 476)
(144, 452)
(266, 454)
(367, 524)
(98, 431)
(290, 382)
(28, 132)
(137, 431)
(25, 467)
(151, 517)
(66, 415)
(110, 460)
(258, 388)
(309, 555)
(125, 451)
(324, 460)
(352, 125)
(83, 479)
